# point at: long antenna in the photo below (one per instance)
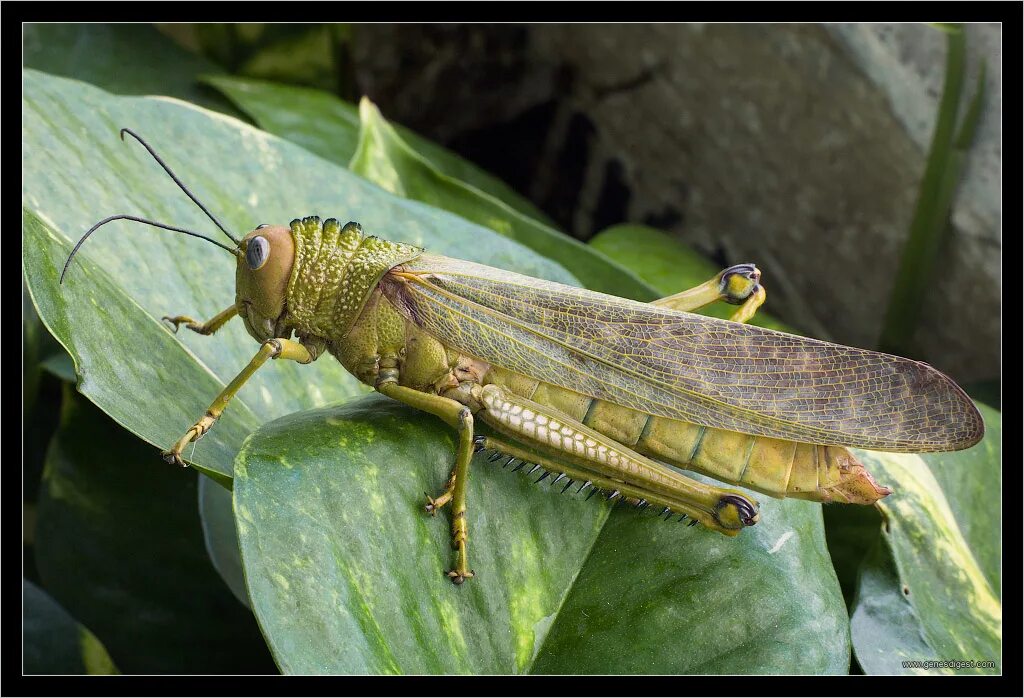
(180, 184)
(139, 220)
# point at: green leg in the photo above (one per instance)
(580, 480)
(739, 285)
(546, 430)
(271, 349)
(205, 328)
(459, 417)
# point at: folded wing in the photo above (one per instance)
(684, 366)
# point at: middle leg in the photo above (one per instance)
(460, 417)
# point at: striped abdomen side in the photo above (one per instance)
(773, 466)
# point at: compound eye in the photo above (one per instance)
(257, 252)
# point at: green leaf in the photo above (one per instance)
(329, 127)
(308, 57)
(852, 532)
(221, 536)
(667, 265)
(31, 339)
(59, 364)
(131, 59)
(930, 227)
(125, 555)
(338, 553)
(127, 276)
(54, 642)
(385, 158)
(971, 481)
(923, 594)
(317, 120)
(655, 256)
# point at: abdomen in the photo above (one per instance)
(776, 467)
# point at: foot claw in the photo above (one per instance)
(430, 507)
(177, 320)
(433, 505)
(460, 577)
(173, 458)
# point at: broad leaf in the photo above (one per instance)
(346, 571)
(111, 378)
(328, 126)
(307, 54)
(54, 642)
(971, 482)
(118, 544)
(31, 339)
(221, 536)
(127, 276)
(926, 593)
(131, 59)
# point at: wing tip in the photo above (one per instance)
(966, 425)
(974, 424)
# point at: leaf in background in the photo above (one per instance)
(54, 642)
(153, 382)
(130, 59)
(307, 57)
(930, 226)
(221, 536)
(923, 595)
(125, 555)
(383, 157)
(40, 398)
(346, 571)
(59, 364)
(318, 121)
(669, 266)
(329, 127)
(971, 481)
(852, 532)
(31, 338)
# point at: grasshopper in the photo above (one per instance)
(615, 395)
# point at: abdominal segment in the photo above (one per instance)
(776, 467)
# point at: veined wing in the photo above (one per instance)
(685, 366)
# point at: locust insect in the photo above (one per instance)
(609, 395)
